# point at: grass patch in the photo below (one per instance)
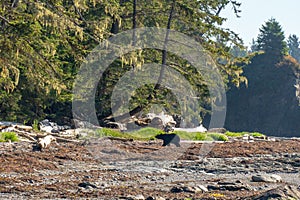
(201, 136)
(218, 136)
(186, 135)
(241, 134)
(141, 134)
(104, 132)
(256, 134)
(149, 133)
(146, 133)
(6, 136)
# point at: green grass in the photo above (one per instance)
(146, 133)
(150, 133)
(186, 135)
(141, 134)
(241, 134)
(6, 136)
(201, 136)
(218, 136)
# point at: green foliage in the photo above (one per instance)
(271, 40)
(35, 125)
(294, 47)
(43, 43)
(8, 136)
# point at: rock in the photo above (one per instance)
(202, 188)
(176, 189)
(155, 198)
(137, 197)
(246, 137)
(161, 121)
(282, 192)
(273, 178)
(229, 186)
(189, 189)
(157, 122)
(150, 198)
(87, 185)
(116, 125)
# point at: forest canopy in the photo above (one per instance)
(44, 43)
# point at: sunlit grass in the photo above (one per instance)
(241, 134)
(8, 136)
(149, 133)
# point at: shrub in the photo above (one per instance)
(6, 136)
(35, 125)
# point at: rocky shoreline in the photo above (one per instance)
(231, 170)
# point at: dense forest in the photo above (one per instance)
(44, 43)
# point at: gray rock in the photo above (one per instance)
(202, 188)
(282, 192)
(230, 186)
(87, 185)
(272, 178)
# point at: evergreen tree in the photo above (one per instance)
(271, 40)
(294, 49)
(43, 44)
(253, 47)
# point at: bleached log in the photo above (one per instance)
(25, 134)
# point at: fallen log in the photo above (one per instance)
(62, 139)
(25, 134)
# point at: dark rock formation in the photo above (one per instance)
(269, 104)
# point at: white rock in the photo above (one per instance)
(46, 129)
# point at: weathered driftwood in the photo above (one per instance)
(25, 134)
(62, 139)
(23, 127)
